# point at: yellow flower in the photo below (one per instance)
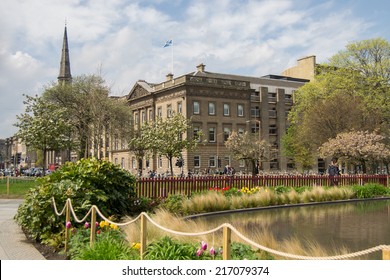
(136, 245)
(103, 224)
(115, 227)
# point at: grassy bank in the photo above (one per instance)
(18, 186)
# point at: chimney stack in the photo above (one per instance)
(169, 77)
(200, 67)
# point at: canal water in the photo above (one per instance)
(353, 225)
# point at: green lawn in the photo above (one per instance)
(18, 187)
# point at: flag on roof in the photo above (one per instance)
(168, 43)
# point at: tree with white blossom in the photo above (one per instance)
(358, 147)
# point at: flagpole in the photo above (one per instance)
(172, 58)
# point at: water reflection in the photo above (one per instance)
(353, 225)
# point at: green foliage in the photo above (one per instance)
(87, 182)
(109, 245)
(165, 137)
(370, 190)
(174, 203)
(168, 249)
(240, 251)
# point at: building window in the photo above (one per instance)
(255, 112)
(143, 116)
(197, 161)
(272, 130)
(240, 110)
(160, 162)
(150, 114)
(196, 108)
(196, 133)
(134, 163)
(212, 134)
(123, 163)
(116, 161)
(211, 108)
(212, 162)
(226, 109)
(241, 163)
(179, 107)
(136, 118)
(159, 112)
(226, 133)
(241, 131)
(169, 110)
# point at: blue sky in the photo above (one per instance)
(123, 39)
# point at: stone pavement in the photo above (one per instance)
(13, 242)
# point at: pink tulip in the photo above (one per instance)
(199, 252)
(86, 225)
(212, 251)
(204, 245)
(68, 224)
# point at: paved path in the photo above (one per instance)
(13, 242)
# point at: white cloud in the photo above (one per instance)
(125, 38)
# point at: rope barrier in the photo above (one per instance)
(225, 225)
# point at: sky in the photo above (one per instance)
(122, 40)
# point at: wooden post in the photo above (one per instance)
(7, 185)
(93, 227)
(67, 219)
(386, 254)
(227, 236)
(143, 236)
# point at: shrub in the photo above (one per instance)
(168, 249)
(174, 203)
(110, 244)
(370, 190)
(87, 182)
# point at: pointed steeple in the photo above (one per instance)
(65, 75)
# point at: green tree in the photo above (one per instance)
(358, 147)
(92, 112)
(44, 126)
(169, 137)
(248, 147)
(349, 93)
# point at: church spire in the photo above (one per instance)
(65, 75)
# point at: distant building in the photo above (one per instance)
(218, 104)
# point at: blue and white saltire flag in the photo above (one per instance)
(168, 43)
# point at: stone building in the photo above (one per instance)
(217, 104)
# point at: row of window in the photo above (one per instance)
(212, 109)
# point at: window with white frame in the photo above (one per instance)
(179, 107)
(196, 131)
(212, 134)
(169, 110)
(159, 112)
(226, 109)
(226, 133)
(196, 161)
(196, 108)
(160, 162)
(150, 114)
(212, 161)
(211, 108)
(240, 110)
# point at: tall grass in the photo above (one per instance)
(215, 201)
(263, 237)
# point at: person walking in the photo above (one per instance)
(333, 172)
